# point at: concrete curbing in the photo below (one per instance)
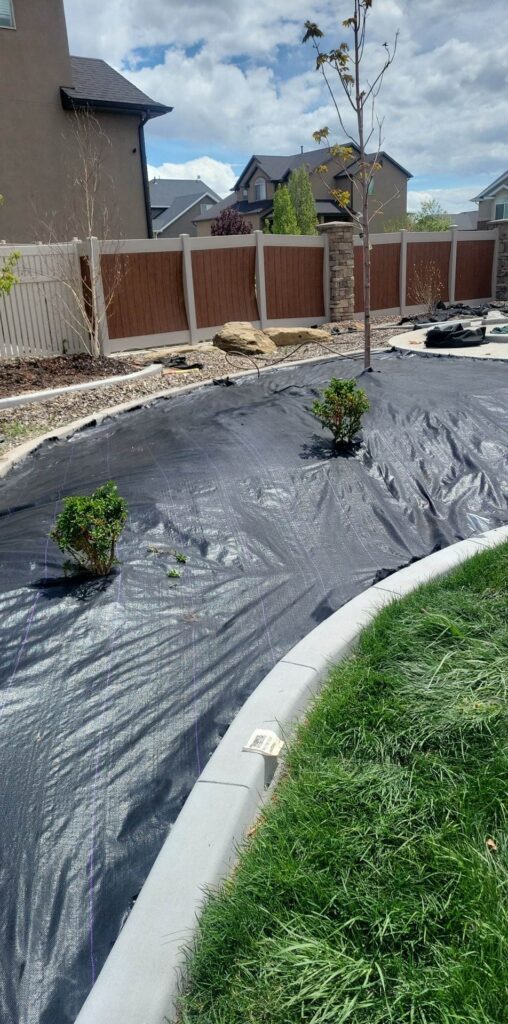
(13, 401)
(20, 452)
(139, 982)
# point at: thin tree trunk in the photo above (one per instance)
(364, 186)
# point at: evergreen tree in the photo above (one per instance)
(284, 216)
(303, 201)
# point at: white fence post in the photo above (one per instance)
(326, 276)
(188, 288)
(403, 271)
(452, 272)
(260, 280)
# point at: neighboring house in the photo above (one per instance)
(467, 221)
(493, 202)
(176, 202)
(255, 188)
(41, 88)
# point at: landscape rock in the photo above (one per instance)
(244, 339)
(283, 336)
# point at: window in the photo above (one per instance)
(205, 206)
(372, 187)
(501, 211)
(260, 189)
(6, 14)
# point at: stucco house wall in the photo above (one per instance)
(38, 145)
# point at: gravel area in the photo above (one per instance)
(19, 424)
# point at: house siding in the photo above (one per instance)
(38, 159)
(184, 225)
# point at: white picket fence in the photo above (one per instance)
(40, 316)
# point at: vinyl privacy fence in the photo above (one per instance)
(182, 290)
(40, 317)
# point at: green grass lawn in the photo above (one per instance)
(376, 888)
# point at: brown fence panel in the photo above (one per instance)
(294, 281)
(146, 290)
(473, 278)
(427, 271)
(384, 276)
(224, 285)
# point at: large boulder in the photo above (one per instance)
(244, 339)
(283, 336)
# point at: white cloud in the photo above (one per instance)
(235, 90)
(219, 176)
(453, 200)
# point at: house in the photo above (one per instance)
(493, 202)
(254, 191)
(466, 221)
(176, 202)
(47, 97)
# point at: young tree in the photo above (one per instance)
(230, 222)
(430, 217)
(303, 201)
(345, 62)
(91, 213)
(284, 216)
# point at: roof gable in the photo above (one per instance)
(491, 189)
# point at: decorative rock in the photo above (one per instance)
(283, 336)
(244, 339)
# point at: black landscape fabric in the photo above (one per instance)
(115, 693)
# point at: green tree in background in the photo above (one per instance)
(303, 202)
(284, 216)
(430, 217)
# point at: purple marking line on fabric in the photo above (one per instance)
(91, 855)
(193, 640)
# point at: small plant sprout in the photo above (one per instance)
(180, 557)
(88, 528)
(174, 574)
(341, 409)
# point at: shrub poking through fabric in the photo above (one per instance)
(88, 528)
(341, 409)
(174, 574)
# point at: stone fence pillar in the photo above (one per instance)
(341, 268)
(502, 263)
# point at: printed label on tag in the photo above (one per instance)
(266, 742)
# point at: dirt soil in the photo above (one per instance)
(18, 375)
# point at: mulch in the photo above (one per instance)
(19, 375)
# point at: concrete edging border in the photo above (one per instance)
(140, 980)
(20, 452)
(26, 397)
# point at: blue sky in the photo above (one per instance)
(241, 82)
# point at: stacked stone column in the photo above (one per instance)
(341, 268)
(502, 264)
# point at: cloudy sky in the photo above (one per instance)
(241, 82)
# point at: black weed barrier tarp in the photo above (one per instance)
(115, 693)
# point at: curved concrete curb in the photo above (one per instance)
(20, 452)
(139, 982)
(12, 402)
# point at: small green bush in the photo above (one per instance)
(341, 409)
(88, 528)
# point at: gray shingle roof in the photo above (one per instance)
(176, 195)
(277, 168)
(96, 84)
